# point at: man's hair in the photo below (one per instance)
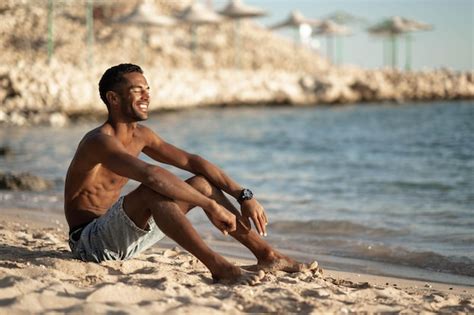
(113, 77)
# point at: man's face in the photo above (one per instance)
(135, 97)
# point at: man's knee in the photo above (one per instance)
(145, 193)
(201, 184)
(154, 201)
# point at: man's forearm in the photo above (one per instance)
(216, 176)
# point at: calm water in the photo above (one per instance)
(375, 183)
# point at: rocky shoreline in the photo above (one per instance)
(272, 70)
(51, 94)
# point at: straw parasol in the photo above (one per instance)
(394, 27)
(198, 14)
(145, 15)
(412, 26)
(296, 20)
(330, 29)
(344, 18)
(238, 10)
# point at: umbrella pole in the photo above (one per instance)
(408, 52)
(193, 38)
(384, 52)
(90, 32)
(339, 49)
(394, 51)
(142, 50)
(50, 30)
(329, 48)
(237, 44)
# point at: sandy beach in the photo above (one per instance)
(39, 275)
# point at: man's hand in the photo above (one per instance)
(224, 220)
(252, 209)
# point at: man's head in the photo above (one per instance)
(125, 88)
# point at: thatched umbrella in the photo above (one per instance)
(145, 15)
(198, 14)
(344, 18)
(394, 27)
(238, 10)
(330, 29)
(412, 26)
(296, 20)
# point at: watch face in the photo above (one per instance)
(247, 194)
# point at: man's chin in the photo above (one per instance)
(141, 117)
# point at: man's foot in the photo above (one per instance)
(279, 262)
(236, 275)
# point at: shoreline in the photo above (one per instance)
(351, 268)
(56, 102)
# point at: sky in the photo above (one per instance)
(450, 44)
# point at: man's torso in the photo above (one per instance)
(90, 188)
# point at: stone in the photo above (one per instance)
(23, 181)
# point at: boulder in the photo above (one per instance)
(23, 181)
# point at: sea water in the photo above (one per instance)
(364, 184)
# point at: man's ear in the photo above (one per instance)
(112, 97)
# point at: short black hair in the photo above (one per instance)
(113, 76)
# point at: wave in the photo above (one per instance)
(460, 265)
(354, 240)
(437, 186)
(332, 228)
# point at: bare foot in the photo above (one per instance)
(239, 276)
(279, 262)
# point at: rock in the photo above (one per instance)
(5, 151)
(24, 181)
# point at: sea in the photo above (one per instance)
(378, 188)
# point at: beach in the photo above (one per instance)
(39, 275)
(365, 173)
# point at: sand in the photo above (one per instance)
(39, 275)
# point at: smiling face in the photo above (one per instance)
(134, 97)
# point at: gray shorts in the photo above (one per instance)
(113, 236)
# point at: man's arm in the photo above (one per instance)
(161, 151)
(112, 155)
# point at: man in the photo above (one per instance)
(105, 226)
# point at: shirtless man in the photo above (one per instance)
(105, 226)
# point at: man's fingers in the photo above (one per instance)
(258, 224)
(246, 222)
(263, 223)
(233, 225)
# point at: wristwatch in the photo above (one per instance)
(245, 194)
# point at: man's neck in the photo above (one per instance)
(123, 130)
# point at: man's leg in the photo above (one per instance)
(267, 257)
(170, 217)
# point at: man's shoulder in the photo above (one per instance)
(97, 137)
(146, 133)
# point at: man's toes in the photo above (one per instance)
(252, 278)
